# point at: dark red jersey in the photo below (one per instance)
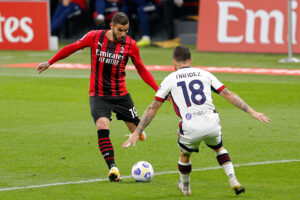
(108, 62)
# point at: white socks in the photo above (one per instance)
(228, 169)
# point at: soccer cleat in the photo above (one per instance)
(236, 186)
(142, 136)
(114, 175)
(184, 188)
(143, 42)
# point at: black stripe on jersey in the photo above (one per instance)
(107, 69)
(101, 38)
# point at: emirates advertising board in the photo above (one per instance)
(247, 26)
(24, 25)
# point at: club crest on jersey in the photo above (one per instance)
(122, 49)
(188, 116)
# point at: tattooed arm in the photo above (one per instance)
(239, 103)
(146, 119)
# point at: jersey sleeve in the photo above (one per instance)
(143, 72)
(164, 90)
(85, 41)
(216, 85)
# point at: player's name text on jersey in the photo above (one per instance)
(188, 75)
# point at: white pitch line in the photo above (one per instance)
(126, 177)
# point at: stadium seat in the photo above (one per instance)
(160, 20)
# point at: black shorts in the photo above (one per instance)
(123, 106)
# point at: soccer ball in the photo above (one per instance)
(142, 171)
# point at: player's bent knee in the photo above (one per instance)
(102, 123)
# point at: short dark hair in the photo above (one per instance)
(120, 18)
(181, 54)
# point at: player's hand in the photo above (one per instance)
(261, 117)
(42, 67)
(132, 138)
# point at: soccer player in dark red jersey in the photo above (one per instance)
(110, 51)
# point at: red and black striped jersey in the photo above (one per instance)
(108, 62)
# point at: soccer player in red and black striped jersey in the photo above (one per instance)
(110, 51)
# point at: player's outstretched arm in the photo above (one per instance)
(66, 51)
(42, 67)
(146, 119)
(239, 103)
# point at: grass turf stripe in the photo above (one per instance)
(127, 177)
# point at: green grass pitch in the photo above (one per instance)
(47, 134)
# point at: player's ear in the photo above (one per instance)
(191, 61)
(174, 62)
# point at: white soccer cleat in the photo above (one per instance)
(236, 186)
(184, 188)
(142, 136)
(114, 175)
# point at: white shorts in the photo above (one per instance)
(205, 128)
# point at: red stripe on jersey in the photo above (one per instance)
(94, 63)
(159, 99)
(221, 88)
